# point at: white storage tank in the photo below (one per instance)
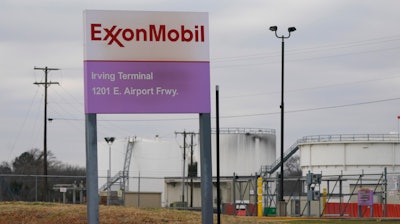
(152, 159)
(349, 154)
(357, 159)
(244, 150)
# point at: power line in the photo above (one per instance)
(24, 121)
(317, 57)
(315, 87)
(344, 105)
(243, 115)
(312, 53)
(314, 109)
(323, 48)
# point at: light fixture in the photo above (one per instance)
(273, 28)
(109, 139)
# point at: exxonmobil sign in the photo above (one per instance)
(146, 35)
(146, 62)
(118, 35)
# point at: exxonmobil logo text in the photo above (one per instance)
(153, 33)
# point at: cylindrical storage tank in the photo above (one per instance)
(243, 150)
(349, 154)
(349, 163)
(152, 159)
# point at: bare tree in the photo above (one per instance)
(22, 182)
(292, 167)
(293, 186)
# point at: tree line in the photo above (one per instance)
(22, 179)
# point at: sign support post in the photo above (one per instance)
(91, 169)
(206, 168)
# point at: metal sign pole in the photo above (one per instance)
(91, 169)
(206, 169)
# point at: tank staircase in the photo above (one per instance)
(119, 176)
(268, 170)
(122, 176)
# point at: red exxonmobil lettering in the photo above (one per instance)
(156, 33)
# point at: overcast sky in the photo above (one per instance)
(342, 70)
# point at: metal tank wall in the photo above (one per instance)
(336, 154)
(153, 159)
(356, 159)
(243, 151)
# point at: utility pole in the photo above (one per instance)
(45, 84)
(184, 133)
(183, 170)
(191, 174)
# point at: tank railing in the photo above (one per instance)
(352, 138)
(329, 138)
(245, 130)
(286, 155)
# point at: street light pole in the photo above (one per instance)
(281, 201)
(398, 128)
(109, 141)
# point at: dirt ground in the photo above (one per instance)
(49, 213)
(53, 213)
